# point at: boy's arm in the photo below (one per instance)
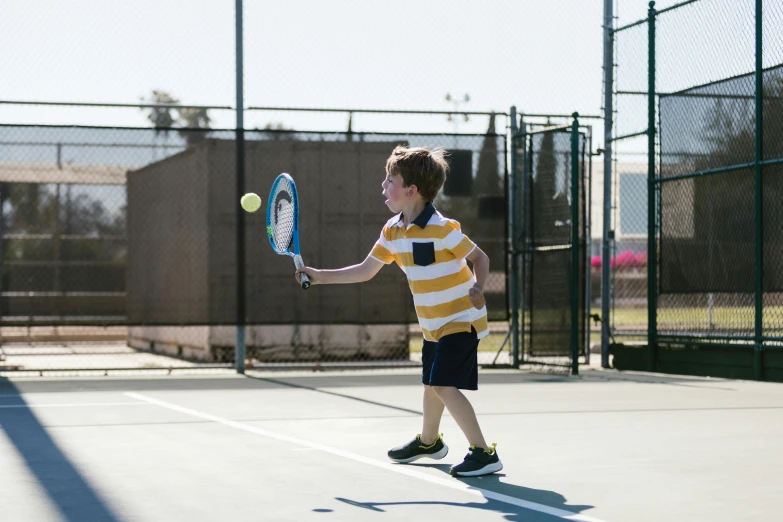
(480, 271)
(364, 271)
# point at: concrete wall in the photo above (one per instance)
(182, 239)
(182, 244)
(167, 240)
(190, 342)
(284, 343)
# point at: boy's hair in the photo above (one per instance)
(420, 166)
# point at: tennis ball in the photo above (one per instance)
(250, 202)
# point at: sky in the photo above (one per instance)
(543, 56)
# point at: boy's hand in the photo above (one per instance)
(312, 273)
(477, 297)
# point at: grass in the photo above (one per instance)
(490, 343)
(723, 315)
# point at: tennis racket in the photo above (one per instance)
(282, 222)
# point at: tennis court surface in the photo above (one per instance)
(312, 447)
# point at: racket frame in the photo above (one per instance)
(298, 262)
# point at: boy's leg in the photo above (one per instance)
(428, 444)
(455, 367)
(433, 411)
(462, 411)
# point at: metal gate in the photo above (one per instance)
(553, 229)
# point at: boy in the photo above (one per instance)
(449, 300)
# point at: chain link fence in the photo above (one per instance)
(117, 240)
(628, 263)
(121, 242)
(716, 68)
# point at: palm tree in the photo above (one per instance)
(193, 118)
(161, 117)
(164, 120)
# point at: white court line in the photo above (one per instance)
(70, 405)
(403, 470)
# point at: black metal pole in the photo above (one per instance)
(652, 213)
(588, 228)
(575, 293)
(2, 256)
(239, 352)
(524, 212)
(513, 244)
(607, 210)
(758, 345)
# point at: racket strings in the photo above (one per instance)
(282, 216)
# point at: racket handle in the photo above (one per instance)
(302, 277)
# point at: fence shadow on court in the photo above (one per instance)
(69, 491)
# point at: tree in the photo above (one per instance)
(42, 215)
(193, 118)
(165, 118)
(723, 214)
(161, 117)
(272, 130)
(489, 181)
(489, 199)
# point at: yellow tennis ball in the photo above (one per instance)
(250, 202)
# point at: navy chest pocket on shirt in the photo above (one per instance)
(423, 253)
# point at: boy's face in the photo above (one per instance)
(394, 191)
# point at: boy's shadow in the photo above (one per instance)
(493, 484)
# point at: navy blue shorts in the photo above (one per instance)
(452, 361)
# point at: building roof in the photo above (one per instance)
(52, 173)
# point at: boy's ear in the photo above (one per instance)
(412, 190)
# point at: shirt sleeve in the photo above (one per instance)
(458, 243)
(383, 250)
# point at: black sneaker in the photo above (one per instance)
(416, 449)
(478, 462)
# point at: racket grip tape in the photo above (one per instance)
(302, 277)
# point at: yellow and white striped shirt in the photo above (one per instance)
(432, 251)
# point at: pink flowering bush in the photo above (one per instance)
(640, 260)
(625, 261)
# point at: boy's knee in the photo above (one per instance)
(430, 390)
(442, 390)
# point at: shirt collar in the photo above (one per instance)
(422, 219)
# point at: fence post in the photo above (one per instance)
(2, 254)
(575, 293)
(523, 238)
(652, 214)
(239, 352)
(607, 210)
(758, 345)
(512, 243)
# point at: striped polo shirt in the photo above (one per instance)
(432, 251)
